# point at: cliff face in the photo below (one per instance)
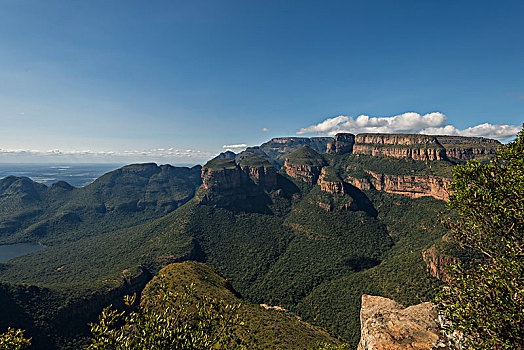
(330, 182)
(341, 144)
(222, 179)
(410, 186)
(227, 183)
(304, 164)
(466, 148)
(261, 175)
(306, 173)
(400, 152)
(387, 325)
(417, 147)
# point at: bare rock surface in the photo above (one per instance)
(387, 325)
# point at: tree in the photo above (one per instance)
(484, 300)
(13, 339)
(169, 320)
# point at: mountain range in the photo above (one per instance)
(307, 225)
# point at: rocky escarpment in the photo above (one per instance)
(387, 325)
(222, 175)
(330, 181)
(227, 183)
(414, 146)
(417, 147)
(341, 144)
(407, 185)
(466, 148)
(260, 171)
(305, 165)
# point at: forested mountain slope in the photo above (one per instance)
(311, 237)
(32, 212)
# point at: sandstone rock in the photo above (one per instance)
(417, 147)
(387, 325)
(341, 144)
(260, 171)
(222, 175)
(361, 184)
(412, 186)
(466, 148)
(329, 181)
(304, 164)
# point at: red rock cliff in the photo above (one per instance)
(263, 176)
(222, 179)
(306, 173)
(417, 147)
(341, 144)
(410, 186)
(330, 181)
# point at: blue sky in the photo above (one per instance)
(175, 81)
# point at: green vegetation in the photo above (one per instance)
(168, 320)
(221, 164)
(306, 156)
(484, 300)
(330, 174)
(13, 339)
(32, 212)
(255, 162)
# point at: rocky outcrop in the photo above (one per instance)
(304, 164)
(341, 144)
(362, 184)
(417, 147)
(306, 173)
(329, 181)
(466, 148)
(406, 185)
(387, 325)
(260, 171)
(438, 263)
(223, 178)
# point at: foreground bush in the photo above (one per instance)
(169, 320)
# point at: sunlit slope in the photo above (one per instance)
(263, 329)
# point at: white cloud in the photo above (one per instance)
(406, 122)
(492, 131)
(410, 122)
(237, 147)
(265, 129)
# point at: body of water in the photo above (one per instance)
(77, 175)
(10, 251)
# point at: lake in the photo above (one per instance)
(10, 251)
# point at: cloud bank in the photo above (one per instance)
(159, 155)
(410, 122)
